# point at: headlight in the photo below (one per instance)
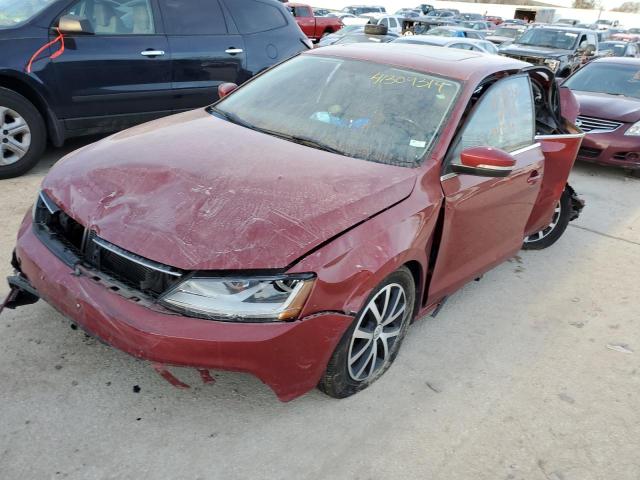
(634, 131)
(552, 64)
(248, 299)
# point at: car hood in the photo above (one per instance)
(609, 107)
(533, 51)
(199, 193)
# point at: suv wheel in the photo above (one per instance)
(22, 134)
(370, 345)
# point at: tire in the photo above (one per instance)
(23, 135)
(343, 377)
(550, 234)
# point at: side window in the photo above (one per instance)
(253, 16)
(301, 12)
(393, 23)
(193, 17)
(592, 40)
(385, 22)
(503, 118)
(119, 17)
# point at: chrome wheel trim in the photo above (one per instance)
(376, 333)
(15, 136)
(536, 237)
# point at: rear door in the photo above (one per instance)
(119, 75)
(204, 52)
(484, 218)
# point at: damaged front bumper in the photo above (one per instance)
(577, 203)
(290, 357)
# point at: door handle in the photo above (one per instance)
(534, 177)
(233, 51)
(152, 53)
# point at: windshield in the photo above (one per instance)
(544, 37)
(617, 48)
(611, 78)
(358, 109)
(17, 12)
(506, 32)
(363, 37)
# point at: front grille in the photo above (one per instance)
(590, 124)
(589, 152)
(532, 60)
(73, 243)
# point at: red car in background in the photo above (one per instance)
(608, 90)
(305, 228)
(313, 27)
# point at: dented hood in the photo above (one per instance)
(199, 193)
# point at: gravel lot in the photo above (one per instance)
(531, 373)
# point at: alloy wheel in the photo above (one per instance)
(15, 136)
(536, 237)
(376, 333)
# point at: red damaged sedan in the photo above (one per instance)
(295, 233)
(608, 90)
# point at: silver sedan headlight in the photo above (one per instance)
(241, 299)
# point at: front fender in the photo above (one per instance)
(350, 266)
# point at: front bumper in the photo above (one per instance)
(290, 357)
(611, 148)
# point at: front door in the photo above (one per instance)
(485, 218)
(120, 74)
(204, 52)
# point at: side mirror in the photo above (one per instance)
(225, 89)
(484, 162)
(587, 49)
(75, 24)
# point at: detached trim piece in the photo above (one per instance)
(135, 258)
(526, 149)
(567, 135)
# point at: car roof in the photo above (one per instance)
(461, 65)
(566, 29)
(435, 39)
(618, 60)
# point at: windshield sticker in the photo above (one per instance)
(417, 143)
(572, 35)
(411, 80)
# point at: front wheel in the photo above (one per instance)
(552, 232)
(370, 345)
(22, 134)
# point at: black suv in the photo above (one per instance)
(562, 49)
(77, 67)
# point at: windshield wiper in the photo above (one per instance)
(233, 118)
(309, 142)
